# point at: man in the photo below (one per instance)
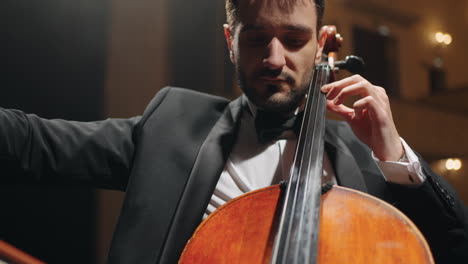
(190, 152)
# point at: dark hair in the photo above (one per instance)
(232, 9)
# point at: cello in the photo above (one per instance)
(303, 221)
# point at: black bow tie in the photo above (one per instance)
(270, 126)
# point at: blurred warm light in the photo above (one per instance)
(439, 37)
(453, 164)
(443, 38)
(451, 168)
(447, 39)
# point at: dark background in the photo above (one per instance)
(52, 63)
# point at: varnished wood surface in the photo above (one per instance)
(11, 254)
(237, 232)
(358, 228)
(354, 228)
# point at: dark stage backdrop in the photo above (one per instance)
(198, 55)
(52, 59)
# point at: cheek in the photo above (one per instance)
(305, 61)
(302, 66)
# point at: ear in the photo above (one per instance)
(323, 33)
(228, 36)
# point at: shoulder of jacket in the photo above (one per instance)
(192, 94)
(183, 95)
(184, 100)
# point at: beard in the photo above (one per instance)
(274, 98)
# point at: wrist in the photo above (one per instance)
(392, 153)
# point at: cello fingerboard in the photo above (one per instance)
(297, 236)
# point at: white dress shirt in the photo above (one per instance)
(252, 165)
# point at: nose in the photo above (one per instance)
(275, 57)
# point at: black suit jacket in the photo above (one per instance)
(169, 160)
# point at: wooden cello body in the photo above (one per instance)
(354, 228)
(295, 223)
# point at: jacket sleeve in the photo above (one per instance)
(36, 150)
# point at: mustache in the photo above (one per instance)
(279, 73)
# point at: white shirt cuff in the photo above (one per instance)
(407, 171)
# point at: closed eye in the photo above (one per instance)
(257, 40)
(295, 43)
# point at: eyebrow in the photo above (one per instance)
(288, 27)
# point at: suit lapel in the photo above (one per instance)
(203, 179)
(347, 171)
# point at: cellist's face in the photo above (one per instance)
(273, 47)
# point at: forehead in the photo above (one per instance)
(277, 13)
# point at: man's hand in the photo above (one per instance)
(370, 117)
